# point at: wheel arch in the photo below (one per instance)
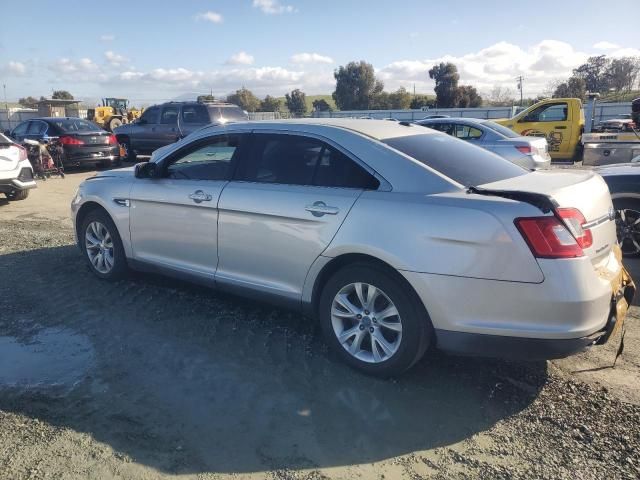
(83, 211)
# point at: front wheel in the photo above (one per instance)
(628, 226)
(102, 246)
(373, 321)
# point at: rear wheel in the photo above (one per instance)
(102, 246)
(114, 123)
(18, 195)
(372, 321)
(128, 155)
(628, 226)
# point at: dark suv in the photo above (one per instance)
(163, 124)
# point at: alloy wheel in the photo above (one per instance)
(366, 322)
(628, 231)
(99, 246)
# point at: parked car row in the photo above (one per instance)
(398, 238)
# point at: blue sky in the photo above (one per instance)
(152, 51)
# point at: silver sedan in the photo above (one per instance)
(528, 152)
(395, 237)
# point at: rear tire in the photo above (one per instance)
(114, 123)
(365, 334)
(17, 195)
(627, 212)
(129, 154)
(101, 246)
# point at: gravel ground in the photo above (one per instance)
(155, 378)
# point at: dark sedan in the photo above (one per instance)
(83, 142)
(623, 180)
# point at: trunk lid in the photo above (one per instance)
(92, 138)
(580, 189)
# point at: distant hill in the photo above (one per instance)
(620, 96)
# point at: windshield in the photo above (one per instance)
(229, 113)
(502, 130)
(464, 163)
(72, 125)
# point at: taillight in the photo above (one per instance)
(526, 149)
(22, 153)
(547, 237)
(66, 140)
(112, 140)
(574, 220)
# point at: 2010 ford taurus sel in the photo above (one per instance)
(397, 238)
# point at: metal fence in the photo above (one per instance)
(13, 116)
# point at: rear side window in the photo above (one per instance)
(169, 116)
(229, 113)
(464, 163)
(75, 125)
(298, 160)
(467, 132)
(195, 114)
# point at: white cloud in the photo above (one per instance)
(107, 38)
(310, 58)
(115, 59)
(240, 58)
(625, 52)
(273, 7)
(213, 17)
(14, 68)
(68, 66)
(605, 46)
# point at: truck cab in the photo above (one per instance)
(559, 120)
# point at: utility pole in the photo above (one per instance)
(520, 79)
(6, 105)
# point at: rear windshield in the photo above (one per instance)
(456, 159)
(71, 125)
(228, 112)
(501, 129)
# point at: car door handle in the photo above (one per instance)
(319, 209)
(199, 196)
(561, 127)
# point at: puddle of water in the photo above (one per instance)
(53, 358)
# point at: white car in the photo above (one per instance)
(16, 173)
(396, 237)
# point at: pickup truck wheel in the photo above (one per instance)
(628, 226)
(129, 153)
(18, 195)
(372, 321)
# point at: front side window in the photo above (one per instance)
(442, 127)
(169, 116)
(298, 160)
(467, 132)
(36, 128)
(209, 161)
(553, 112)
(151, 115)
(195, 114)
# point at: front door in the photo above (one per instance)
(167, 130)
(286, 203)
(141, 132)
(551, 121)
(174, 218)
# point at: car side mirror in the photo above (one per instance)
(146, 170)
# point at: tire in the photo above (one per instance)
(627, 212)
(102, 221)
(114, 123)
(129, 154)
(17, 195)
(407, 334)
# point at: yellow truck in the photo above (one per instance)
(560, 120)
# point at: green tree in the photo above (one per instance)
(622, 73)
(296, 102)
(400, 99)
(422, 101)
(446, 78)
(321, 105)
(61, 95)
(28, 101)
(356, 85)
(574, 87)
(245, 99)
(380, 101)
(205, 98)
(468, 97)
(594, 73)
(270, 104)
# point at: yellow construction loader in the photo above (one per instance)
(112, 113)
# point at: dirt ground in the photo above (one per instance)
(155, 378)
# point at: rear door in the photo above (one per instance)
(174, 218)
(142, 132)
(193, 117)
(285, 204)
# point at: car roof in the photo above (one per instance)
(376, 129)
(474, 121)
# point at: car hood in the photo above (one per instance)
(126, 172)
(619, 169)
